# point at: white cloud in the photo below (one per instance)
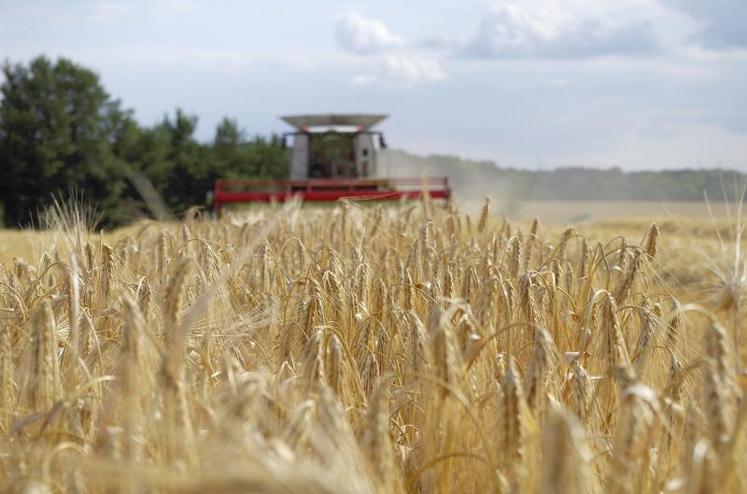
(363, 79)
(294, 59)
(569, 29)
(111, 10)
(403, 70)
(101, 11)
(722, 22)
(365, 35)
(396, 63)
(230, 57)
(177, 6)
(411, 69)
(559, 82)
(443, 42)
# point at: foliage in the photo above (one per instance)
(55, 127)
(61, 131)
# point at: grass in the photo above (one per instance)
(371, 350)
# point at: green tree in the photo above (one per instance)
(229, 152)
(57, 125)
(188, 167)
(266, 159)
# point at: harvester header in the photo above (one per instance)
(306, 122)
(331, 157)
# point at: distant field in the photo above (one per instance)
(14, 243)
(563, 212)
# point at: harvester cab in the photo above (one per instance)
(331, 157)
(334, 146)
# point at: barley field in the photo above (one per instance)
(350, 349)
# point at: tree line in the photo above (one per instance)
(60, 131)
(478, 178)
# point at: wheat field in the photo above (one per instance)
(410, 349)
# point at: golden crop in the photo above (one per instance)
(371, 350)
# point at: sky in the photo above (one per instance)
(639, 84)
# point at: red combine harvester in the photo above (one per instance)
(332, 157)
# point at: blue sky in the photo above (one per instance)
(527, 83)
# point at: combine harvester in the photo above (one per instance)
(332, 157)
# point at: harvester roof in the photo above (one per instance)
(361, 120)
